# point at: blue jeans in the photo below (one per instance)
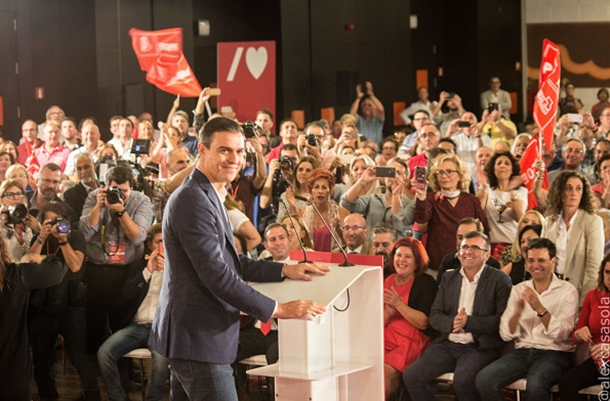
(127, 339)
(541, 368)
(465, 360)
(201, 381)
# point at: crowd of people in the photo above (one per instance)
(469, 265)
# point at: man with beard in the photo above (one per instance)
(429, 136)
(69, 134)
(450, 261)
(354, 233)
(454, 110)
(383, 237)
(48, 186)
(75, 197)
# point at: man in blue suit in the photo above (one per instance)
(197, 320)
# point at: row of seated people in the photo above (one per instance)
(337, 190)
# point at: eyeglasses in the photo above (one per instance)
(353, 228)
(13, 195)
(448, 173)
(472, 248)
(46, 181)
(573, 150)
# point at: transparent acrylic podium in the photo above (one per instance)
(336, 356)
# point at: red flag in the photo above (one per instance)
(172, 73)
(148, 45)
(529, 171)
(32, 163)
(545, 104)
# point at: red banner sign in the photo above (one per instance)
(148, 45)
(545, 104)
(246, 76)
(529, 172)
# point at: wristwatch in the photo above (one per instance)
(543, 314)
(121, 213)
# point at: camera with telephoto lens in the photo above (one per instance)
(286, 163)
(114, 195)
(16, 213)
(63, 226)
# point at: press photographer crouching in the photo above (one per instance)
(114, 222)
(60, 309)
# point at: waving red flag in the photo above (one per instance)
(545, 104)
(148, 45)
(529, 171)
(172, 73)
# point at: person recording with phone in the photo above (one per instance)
(396, 207)
(497, 127)
(60, 309)
(114, 222)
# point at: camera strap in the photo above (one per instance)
(103, 243)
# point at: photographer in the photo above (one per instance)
(16, 224)
(249, 182)
(60, 309)
(114, 222)
(281, 175)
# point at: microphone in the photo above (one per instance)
(305, 260)
(345, 262)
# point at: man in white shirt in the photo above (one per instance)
(277, 243)
(497, 95)
(91, 144)
(423, 103)
(143, 289)
(466, 312)
(540, 317)
(123, 142)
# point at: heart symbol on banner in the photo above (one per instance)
(256, 60)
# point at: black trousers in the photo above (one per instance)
(577, 378)
(106, 308)
(44, 329)
(253, 342)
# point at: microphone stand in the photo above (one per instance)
(305, 260)
(345, 262)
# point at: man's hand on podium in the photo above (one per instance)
(300, 270)
(294, 309)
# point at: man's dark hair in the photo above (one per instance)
(69, 119)
(476, 234)
(265, 111)
(275, 225)
(289, 146)
(51, 167)
(116, 118)
(287, 120)
(471, 220)
(130, 122)
(56, 207)
(220, 124)
(542, 243)
(451, 141)
(426, 112)
(121, 175)
(313, 124)
(383, 228)
(82, 122)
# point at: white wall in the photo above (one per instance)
(561, 11)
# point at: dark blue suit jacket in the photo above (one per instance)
(203, 284)
(490, 300)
